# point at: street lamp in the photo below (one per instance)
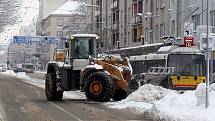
(207, 55)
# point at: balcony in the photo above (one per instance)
(116, 26)
(136, 20)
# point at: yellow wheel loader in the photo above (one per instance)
(78, 68)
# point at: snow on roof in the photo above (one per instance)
(69, 7)
(84, 35)
(186, 50)
(2, 52)
(166, 48)
(146, 45)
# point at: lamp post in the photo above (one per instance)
(207, 58)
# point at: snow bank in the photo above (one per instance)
(142, 99)
(161, 104)
(148, 93)
(40, 72)
(184, 107)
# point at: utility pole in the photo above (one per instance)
(106, 21)
(169, 17)
(8, 58)
(125, 23)
(177, 25)
(207, 58)
(202, 12)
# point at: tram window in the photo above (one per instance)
(137, 67)
(153, 63)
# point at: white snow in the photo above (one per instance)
(68, 8)
(167, 105)
(41, 83)
(153, 101)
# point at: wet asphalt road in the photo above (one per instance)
(20, 101)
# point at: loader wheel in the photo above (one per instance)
(99, 87)
(51, 88)
(133, 85)
(167, 83)
(119, 94)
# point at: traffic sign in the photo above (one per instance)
(188, 41)
(37, 39)
(20, 39)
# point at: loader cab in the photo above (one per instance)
(82, 47)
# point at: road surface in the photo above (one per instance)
(21, 101)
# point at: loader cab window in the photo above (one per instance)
(84, 47)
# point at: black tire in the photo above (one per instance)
(133, 85)
(51, 88)
(167, 83)
(119, 94)
(99, 87)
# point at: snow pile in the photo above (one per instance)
(142, 99)
(183, 107)
(148, 93)
(158, 103)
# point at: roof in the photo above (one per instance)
(70, 7)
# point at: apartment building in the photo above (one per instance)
(45, 8)
(65, 21)
(137, 23)
(111, 18)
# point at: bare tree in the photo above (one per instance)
(9, 12)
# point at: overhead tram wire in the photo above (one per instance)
(26, 8)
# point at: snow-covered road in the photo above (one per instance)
(153, 101)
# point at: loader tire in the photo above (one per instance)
(51, 88)
(119, 94)
(99, 87)
(167, 83)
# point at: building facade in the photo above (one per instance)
(45, 8)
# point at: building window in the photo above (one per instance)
(196, 20)
(60, 21)
(157, 32)
(162, 30)
(59, 33)
(157, 4)
(163, 4)
(139, 34)
(140, 7)
(135, 35)
(212, 16)
(114, 19)
(134, 9)
(117, 37)
(117, 16)
(172, 27)
(146, 35)
(114, 40)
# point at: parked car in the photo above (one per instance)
(16, 70)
